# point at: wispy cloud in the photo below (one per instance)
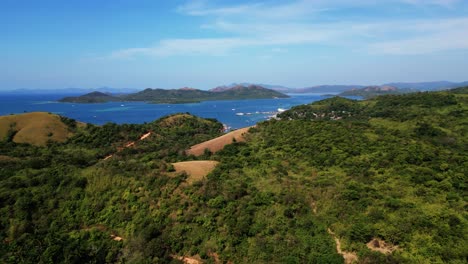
(292, 23)
(444, 3)
(259, 10)
(439, 41)
(171, 47)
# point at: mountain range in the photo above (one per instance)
(332, 88)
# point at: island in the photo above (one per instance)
(183, 95)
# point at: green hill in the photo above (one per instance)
(384, 180)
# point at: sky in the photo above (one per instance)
(56, 44)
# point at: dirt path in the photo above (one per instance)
(129, 144)
(218, 143)
(349, 257)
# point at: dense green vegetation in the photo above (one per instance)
(184, 95)
(393, 168)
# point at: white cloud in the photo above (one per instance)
(288, 24)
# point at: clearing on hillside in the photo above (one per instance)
(35, 128)
(218, 143)
(381, 246)
(196, 169)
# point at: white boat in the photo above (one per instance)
(281, 110)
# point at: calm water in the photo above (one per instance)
(227, 112)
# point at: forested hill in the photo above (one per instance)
(385, 179)
(183, 95)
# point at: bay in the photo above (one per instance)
(233, 113)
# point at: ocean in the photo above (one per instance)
(233, 113)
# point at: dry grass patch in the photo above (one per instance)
(189, 260)
(35, 128)
(381, 246)
(7, 158)
(218, 143)
(196, 169)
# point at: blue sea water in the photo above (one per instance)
(233, 113)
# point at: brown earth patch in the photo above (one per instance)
(196, 169)
(218, 143)
(7, 158)
(116, 238)
(189, 260)
(377, 244)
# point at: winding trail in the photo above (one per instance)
(129, 144)
(349, 257)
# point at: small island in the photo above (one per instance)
(183, 95)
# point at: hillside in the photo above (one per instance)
(183, 95)
(378, 181)
(35, 128)
(428, 86)
(372, 91)
(217, 144)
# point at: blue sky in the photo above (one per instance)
(170, 44)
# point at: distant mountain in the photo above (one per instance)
(275, 87)
(248, 92)
(428, 86)
(372, 91)
(285, 89)
(326, 89)
(183, 95)
(72, 91)
(93, 97)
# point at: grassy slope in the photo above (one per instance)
(35, 128)
(196, 169)
(216, 144)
